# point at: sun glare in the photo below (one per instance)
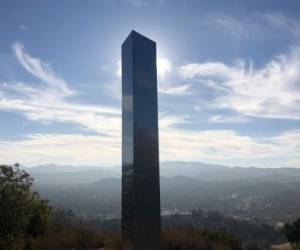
(164, 66)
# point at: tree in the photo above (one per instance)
(292, 232)
(23, 215)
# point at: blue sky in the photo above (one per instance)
(228, 79)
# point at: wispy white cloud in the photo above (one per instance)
(48, 100)
(43, 71)
(234, 26)
(138, 3)
(70, 149)
(259, 26)
(175, 90)
(282, 22)
(217, 69)
(145, 3)
(23, 27)
(247, 90)
(227, 146)
(175, 144)
(272, 91)
(229, 119)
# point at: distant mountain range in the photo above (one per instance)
(267, 193)
(69, 175)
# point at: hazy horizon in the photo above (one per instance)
(161, 163)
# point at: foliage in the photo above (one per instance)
(292, 232)
(70, 236)
(67, 231)
(81, 235)
(192, 239)
(245, 230)
(23, 215)
(27, 222)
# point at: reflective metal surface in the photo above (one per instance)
(140, 159)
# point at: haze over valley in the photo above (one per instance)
(269, 194)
